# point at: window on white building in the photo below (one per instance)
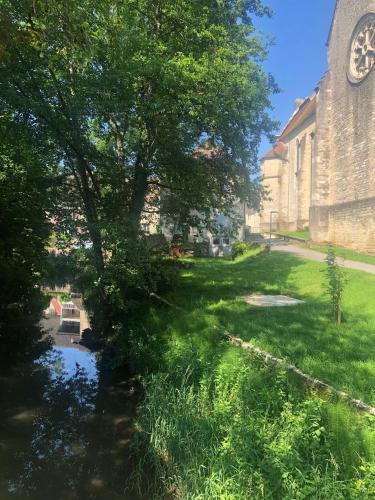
(146, 228)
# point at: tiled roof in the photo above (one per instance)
(56, 305)
(278, 151)
(207, 151)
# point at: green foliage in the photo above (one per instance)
(125, 93)
(26, 179)
(133, 272)
(239, 248)
(217, 423)
(59, 270)
(336, 281)
(201, 249)
(238, 428)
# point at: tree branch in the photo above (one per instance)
(119, 135)
(165, 186)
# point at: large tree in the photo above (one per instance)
(127, 91)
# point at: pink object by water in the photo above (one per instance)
(57, 307)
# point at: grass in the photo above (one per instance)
(304, 334)
(345, 253)
(339, 251)
(217, 423)
(304, 235)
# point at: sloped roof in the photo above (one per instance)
(277, 152)
(304, 111)
(207, 151)
(56, 305)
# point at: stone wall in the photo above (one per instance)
(288, 179)
(299, 169)
(343, 199)
(271, 175)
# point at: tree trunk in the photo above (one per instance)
(138, 197)
(338, 316)
(88, 198)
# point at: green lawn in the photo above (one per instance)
(345, 253)
(305, 334)
(304, 235)
(341, 252)
(217, 423)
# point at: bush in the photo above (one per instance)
(157, 244)
(59, 270)
(131, 274)
(201, 249)
(239, 248)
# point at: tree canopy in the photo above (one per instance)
(26, 187)
(127, 92)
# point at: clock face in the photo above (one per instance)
(362, 49)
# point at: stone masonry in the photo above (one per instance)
(343, 200)
(321, 173)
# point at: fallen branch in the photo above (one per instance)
(269, 358)
(155, 296)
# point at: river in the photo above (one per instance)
(65, 428)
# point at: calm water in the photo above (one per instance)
(65, 429)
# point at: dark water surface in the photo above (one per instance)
(65, 428)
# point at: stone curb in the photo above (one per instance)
(270, 358)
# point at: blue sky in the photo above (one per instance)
(298, 57)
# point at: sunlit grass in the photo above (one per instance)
(305, 334)
(218, 423)
(304, 235)
(345, 253)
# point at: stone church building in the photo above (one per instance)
(321, 172)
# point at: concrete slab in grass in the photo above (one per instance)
(271, 300)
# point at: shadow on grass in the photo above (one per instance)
(195, 330)
(304, 334)
(215, 279)
(186, 347)
(307, 337)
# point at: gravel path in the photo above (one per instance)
(306, 253)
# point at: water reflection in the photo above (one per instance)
(58, 431)
(64, 361)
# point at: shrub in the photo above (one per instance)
(201, 249)
(239, 248)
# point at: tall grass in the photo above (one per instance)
(247, 431)
(218, 423)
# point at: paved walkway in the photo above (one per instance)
(306, 253)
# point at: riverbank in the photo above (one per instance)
(202, 418)
(218, 422)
